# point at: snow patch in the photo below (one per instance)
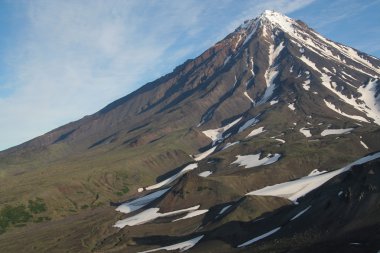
(253, 31)
(237, 42)
(364, 145)
(224, 209)
(336, 131)
(174, 177)
(335, 109)
(300, 213)
(251, 69)
(139, 203)
(203, 155)
(250, 99)
(149, 215)
(305, 132)
(368, 96)
(309, 63)
(217, 134)
(295, 189)
(291, 107)
(255, 132)
(316, 172)
(273, 54)
(346, 74)
(258, 238)
(306, 84)
(205, 173)
(271, 73)
(249, 123)
(179, 246)
(229, 144)
(226, 60)
(372, 101)
(250, 161)
(273, 102)
(192, 214)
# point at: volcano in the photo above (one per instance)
(269, 141)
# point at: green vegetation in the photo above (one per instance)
(41, 219)
(119, 193)
(37, 206)
(201, 188)
(123, 191)
(84, 206)
(20, 214)
(10, 215)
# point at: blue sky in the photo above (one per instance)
(62, 60)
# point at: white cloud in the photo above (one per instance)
(76, 56)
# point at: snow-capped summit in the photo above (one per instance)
(324, 63)
(275, 17)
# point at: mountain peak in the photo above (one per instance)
(272, 19)
(276, 19)
(271, 13)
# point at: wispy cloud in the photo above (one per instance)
(330, 12)
(71, 58)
